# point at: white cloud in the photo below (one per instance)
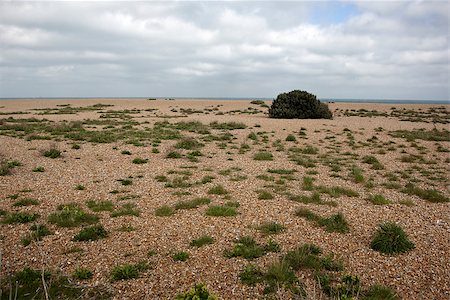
(223, 49)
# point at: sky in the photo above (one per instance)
(333, 49)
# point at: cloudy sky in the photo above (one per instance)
(334, 49)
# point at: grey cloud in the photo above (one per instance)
(249, 49)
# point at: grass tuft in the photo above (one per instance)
(391, 239)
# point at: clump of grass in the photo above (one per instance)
(38, 231)
(378, 292)
(19, 217)
(281, 275)
(282, 171)
(91, 233)
(263, 155)
(221, 211)
(431, 195)
(202, 241)
(26, 202)
(314, 198)
(191, 204)
(291, 138)
(334, 223)
(308, 183)
(207, 179)
(126, 181)
(39, 169)
(174, 154)
(251, 275)
(139, 161)
(71, 215)
(357, 174)
(127, 209)
(76, 146)
(80, 187)
(164, 211)
(98, 206)
(128, 271)
(271, 228)
(309, 256)
(264, 195)
(373, 161)
(337, 191)
(218, 190)
(180, 256)
(199, 291)
(6, 166)
(188, 144)
(379, 200)
(52, 153)
(126, 228)
(82, 274)
(391, 239)
(125, 152)
(247, 248)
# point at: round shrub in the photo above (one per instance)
(299, 105)
(391, 239)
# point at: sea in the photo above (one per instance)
(326, 100)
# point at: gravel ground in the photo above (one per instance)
(422, 273)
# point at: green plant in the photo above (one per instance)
(38, 231)
(308, 183)
(247, 248)
(194, 203)
(218, 190)
(298, 105)
(378, 292)
(251, 275)
(372, 160)
(221, 211)
(202, 241)
(80, 187)
(71, 215)
(91, 233)
(82, 274)
(379, 200)
(76, 146)
(52, 153)
(271, 228)
(291, 138)
(98, 206)
(127, 209)
(174, 154)
(180, 256)
(128, 271)
(125, 181)
(188, 144)
(126, 152)
(391, 239)
(26, 202)
(431, 195)
(139, 161)
(281, 275)
(264, 195)
(19, 217)
(263, 155)
(335, 223)
(199, 292)
(357, 174)
(282, 171)
(39, 169)
(164, 211)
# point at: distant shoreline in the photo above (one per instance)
(326, 100)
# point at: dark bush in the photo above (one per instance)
(299, 105)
